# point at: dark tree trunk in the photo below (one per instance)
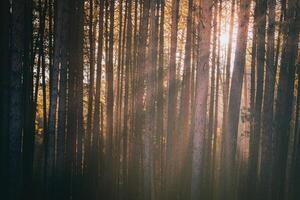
(54, 75)
(75, 131)
(139, 93)
(128, 67)
(60, 188)
(261, 7)
(4, 94)
(184, 112)
(151, 61)
(285, 96)
(253, 72)
(295, 180)
(172, 102)
(268, 103)
(89, 123)
(15, 102)
(94, 158)
(109, 176)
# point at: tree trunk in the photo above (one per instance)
(50, 135)
(28, 134)
(184, 112)
(128, 66)
(285, 95)
(91, 89)
(228, 64)
(93, 157)
(74, 116)
(255, 135)
(172, 101)
(235, 100)
(267, 128)
(110, 104)
(215, 132)
(15, 102)
(60, 188)
(4, 94)
(78, 189)
(201, 99)
(150, 103)
(160, 97)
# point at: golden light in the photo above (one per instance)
(224, 38)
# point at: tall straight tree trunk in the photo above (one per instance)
(297, 173)
(279, 35)
(267, 128)
(119, 95)
(185, 102)
(28, 105)
(211, 111)
(284, 105)
(212, 86)
(160, 96)
(201, 99)
(50, 135)
(253, 71)
(91, 88)
(110, 104)
(184, 112)
(235, 100)
(150, 104)
(133, 157)
(172, 101)
(119, 83)
(74, 116)
(261, 7)
(139, 93)
(215, 132)
(41, 65)
(293, 182)
(128, 67)
(227, 78)
(94, 158)
(60, 188)
(51, 52)
(15, 102)
(4, 94)
(40, 45)
(77, 193)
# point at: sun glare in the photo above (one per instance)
(224, 39)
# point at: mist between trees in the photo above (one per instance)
(150, 99)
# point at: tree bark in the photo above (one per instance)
(255, 135)
(172, 101)
(150, 103)
(285, 95)
(15, 102)
(201, 99)
(267, 128)
(88, 136)
(235, 100)
(96, 155)
(110, 103)
(4, 94)
(128, 67)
